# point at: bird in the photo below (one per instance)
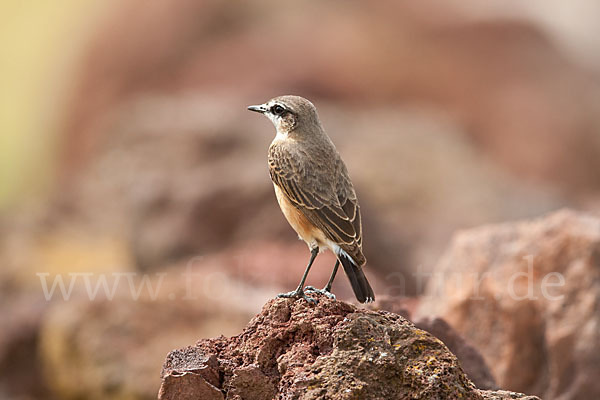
(315, 193)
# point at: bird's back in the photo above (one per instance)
(315, 180)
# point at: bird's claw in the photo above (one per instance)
(297, 294)
(324, 291)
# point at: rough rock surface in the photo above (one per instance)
(292, 350)
(469, 357)
(527, 295)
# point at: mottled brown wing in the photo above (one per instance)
(327, 200)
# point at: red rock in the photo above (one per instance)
(520, 98)
(527, 296)
(332, 350)
(470, 359)
(109, 348)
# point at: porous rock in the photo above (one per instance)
(293, 350)
(469, 357)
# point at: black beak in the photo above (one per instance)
(261, 108)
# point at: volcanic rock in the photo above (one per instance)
(293, 350)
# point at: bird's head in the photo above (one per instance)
(290, 114)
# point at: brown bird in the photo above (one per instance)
(315, 193)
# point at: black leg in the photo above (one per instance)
(313, 255)
(299, 292)
(332, 277)
(327, 289)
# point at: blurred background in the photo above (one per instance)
(127, 154)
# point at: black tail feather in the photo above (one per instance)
(358, 280)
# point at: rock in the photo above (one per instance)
(201, 382)
(196, 173)
(477, 68)
(527, 295)
(167, 200)
(113, 348)
(401, 305)
(470, 358)
(504, 395)
(20, 376)
(332, 350)
(167, 216)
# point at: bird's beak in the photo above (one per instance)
(260, 108)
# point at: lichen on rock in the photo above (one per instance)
(293, 350)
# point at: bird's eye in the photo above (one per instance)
(277, 109)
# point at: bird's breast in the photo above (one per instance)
(303, 227)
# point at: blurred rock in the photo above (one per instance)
(173, 193)
(113, 348)
(403, 306)
(278, 267)
(20, 372)
(446, 120)
(194, 188)
(423, 179)
(527, 296)
(161, 154)
(332, 350)
(164, 140)
(513, 89)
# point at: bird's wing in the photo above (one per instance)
(329, 202)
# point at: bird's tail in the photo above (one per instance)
(358, 280)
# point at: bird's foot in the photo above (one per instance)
(325, 291)
(298, 294)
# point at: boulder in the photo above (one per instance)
(333, 350)
(112, 348)
(470, 359)
(527, 295)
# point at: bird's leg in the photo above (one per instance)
(332, 277)
(327, 289)
(299, 292)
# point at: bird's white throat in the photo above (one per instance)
(281, 135)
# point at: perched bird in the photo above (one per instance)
(315, 193)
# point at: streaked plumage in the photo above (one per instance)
(313, 187)
(326, 199)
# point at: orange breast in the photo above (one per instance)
(303, 227)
